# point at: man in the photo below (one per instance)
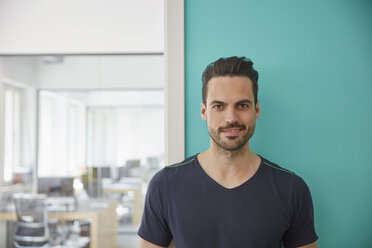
(228, 196)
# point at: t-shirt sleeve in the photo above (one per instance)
(301, 231)
(154, 227)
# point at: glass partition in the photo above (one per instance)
(91, 124)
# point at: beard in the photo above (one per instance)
(234, 143)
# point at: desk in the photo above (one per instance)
(124, 188)
(101, 213)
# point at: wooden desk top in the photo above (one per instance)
(84, 210)
(101, 213)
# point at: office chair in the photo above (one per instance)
(31, 228)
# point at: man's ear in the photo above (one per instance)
(203, 111)
(257, 108)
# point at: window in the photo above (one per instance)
(61, 135)
(98, 128)
(124, 132)
(18, 144)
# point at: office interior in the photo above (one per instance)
(96, 148)
(81, 120)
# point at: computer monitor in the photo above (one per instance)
(56, 186)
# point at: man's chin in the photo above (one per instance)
(231, 147)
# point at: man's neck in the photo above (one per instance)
(229, 168)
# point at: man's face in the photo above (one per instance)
(230, 111)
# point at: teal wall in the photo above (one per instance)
(315, 88)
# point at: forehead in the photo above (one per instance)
(229, 88)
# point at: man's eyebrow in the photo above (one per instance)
(245, 101)
(216, 102)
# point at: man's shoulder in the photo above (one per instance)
(275, 168)
(283, 175)
(187, 162)
(174, 173)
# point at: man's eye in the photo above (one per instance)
(217, 107)
(243, 106)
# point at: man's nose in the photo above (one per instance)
(230, 116)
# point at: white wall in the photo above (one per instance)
(81, 26)
(86, 72)
(19, 69)
(174, 81)
(102, 72)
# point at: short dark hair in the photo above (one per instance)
(232, 66)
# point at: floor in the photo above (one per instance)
(127, 236)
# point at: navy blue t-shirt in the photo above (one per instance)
(183, 203)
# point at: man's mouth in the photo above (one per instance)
(231, 131)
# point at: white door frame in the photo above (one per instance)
(174, 81)
(173, 87)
